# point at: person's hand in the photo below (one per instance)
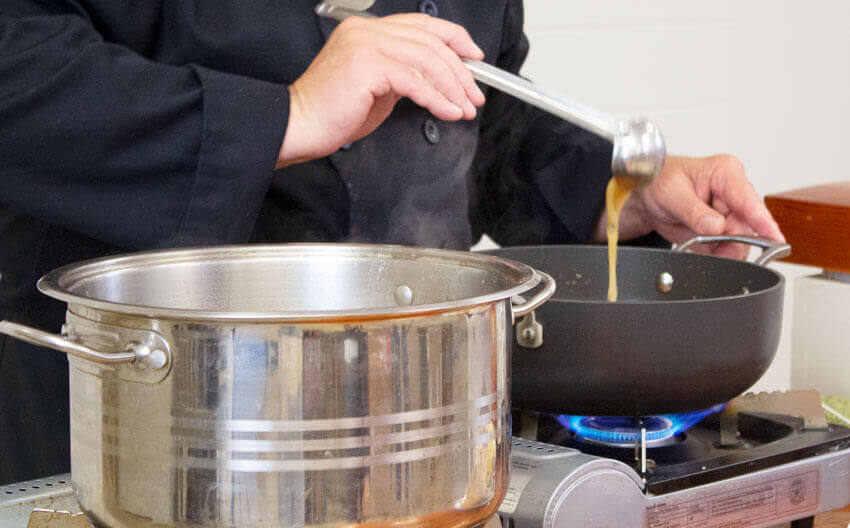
(365, 67)
(705, 196)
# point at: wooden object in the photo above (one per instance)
(833, 519)
(816, 222)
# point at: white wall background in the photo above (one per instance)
(768, 81)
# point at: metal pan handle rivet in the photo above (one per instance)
(665, 282)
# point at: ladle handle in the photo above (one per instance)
(588, 118)
(639, 147)
(584, 116)
(772, 249)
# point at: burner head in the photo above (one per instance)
(624, 431)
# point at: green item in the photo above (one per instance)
(841, 405)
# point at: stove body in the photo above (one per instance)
(17, 501)
(779, 472)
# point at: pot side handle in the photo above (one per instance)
(771, 249)
(137, 352)
(538, 298)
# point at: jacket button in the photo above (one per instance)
(428, 7)
(431, 131)
(345, 147)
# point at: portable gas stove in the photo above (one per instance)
(607, 472)
(598, 472)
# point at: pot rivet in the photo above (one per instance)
(529, 331)
(665, 282)
(145, 357)
(403, 295)
(157, 359)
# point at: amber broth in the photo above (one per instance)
(616, 194)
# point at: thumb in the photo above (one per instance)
(709, 221)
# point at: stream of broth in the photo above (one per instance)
(616, 194)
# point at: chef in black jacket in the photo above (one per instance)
(129, 125)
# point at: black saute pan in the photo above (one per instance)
(703, 342)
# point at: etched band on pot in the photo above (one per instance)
(348, 442)
(327, 463)
(332, 424)
(299, 445)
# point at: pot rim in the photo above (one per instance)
(59, 283)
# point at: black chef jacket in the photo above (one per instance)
(129, 125)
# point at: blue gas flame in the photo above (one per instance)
(620, 430)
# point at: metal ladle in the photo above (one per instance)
(639, 149)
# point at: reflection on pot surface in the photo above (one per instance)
(400, 422)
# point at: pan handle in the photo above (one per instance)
(138, 353)
(538, 298)
(771, 248)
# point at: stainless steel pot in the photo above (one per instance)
(296, 385)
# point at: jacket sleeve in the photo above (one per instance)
(536, 179)
(139, 154)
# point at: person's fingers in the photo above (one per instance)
(731, 251)
(730, 185)
(433, 68)
(381, 108)
(451, 59)
(678, 197)
(734, 226)
(720, 206)
(677, 233)
(454, 35)
(357, 77)
(407, 82)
